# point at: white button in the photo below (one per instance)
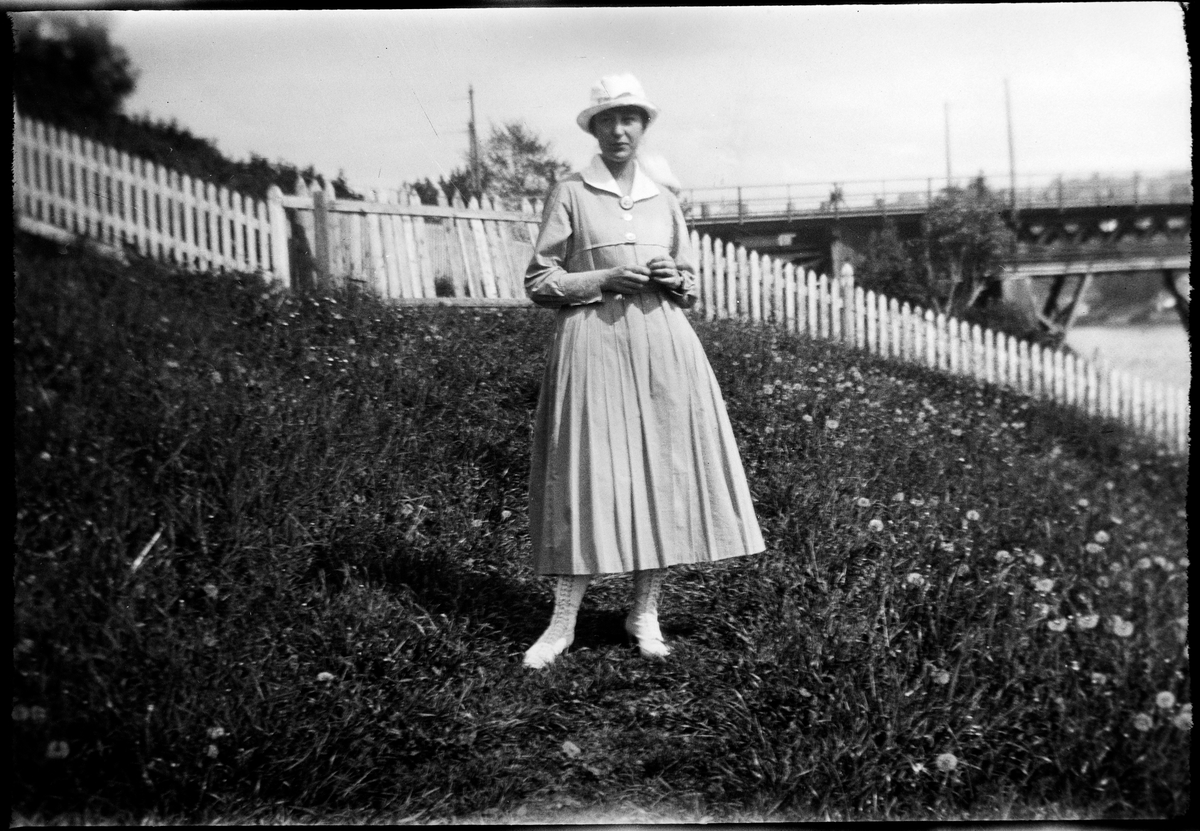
(627, 217)
(631, 236)
(626, 202)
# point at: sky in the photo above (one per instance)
(748, 95)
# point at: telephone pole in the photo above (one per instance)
(474, 144)
(1012, 166)
(947, 111)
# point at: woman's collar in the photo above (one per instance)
(598, 176)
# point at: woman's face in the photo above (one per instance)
(619, 131)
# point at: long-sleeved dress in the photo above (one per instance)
(634, 461)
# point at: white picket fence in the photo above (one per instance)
(741, 284)
(69, 184)
(450, 253)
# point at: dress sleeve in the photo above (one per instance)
(684, 257)
(547, 282)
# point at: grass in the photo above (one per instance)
(271, 563)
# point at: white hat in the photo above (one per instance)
(616, 91)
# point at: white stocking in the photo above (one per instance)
(568, 594)
(642, 621)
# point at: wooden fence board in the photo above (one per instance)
(399, 249)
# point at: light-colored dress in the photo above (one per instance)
(634, 462)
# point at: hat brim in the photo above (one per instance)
(585, 117)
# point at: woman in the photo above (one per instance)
(634, 463)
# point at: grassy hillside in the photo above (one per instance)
(271, 554)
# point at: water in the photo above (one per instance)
(1156, 352)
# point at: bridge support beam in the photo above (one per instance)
(1171, 281)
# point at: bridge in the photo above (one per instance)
(1064, 227)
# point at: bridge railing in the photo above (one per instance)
(744, 285)
(66, 186)
(915, 195)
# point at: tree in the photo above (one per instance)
(962, 248)
(957, 262)
(955, 266)
(65, 65)
(889, 266)
(514, 164)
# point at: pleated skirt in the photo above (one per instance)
(634, 462)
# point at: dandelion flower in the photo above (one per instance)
(1087, 621)
(1121, 628)
(1083, 503)
(863, 502)
(20, 712)
(768, 389)
(964, 570)
(1163, 563)
(212, 751)
(476, 523)
(1099, 678)
(898, 497)
(914, 579)
(1183, 720)
(1059, 624)
(1103, 582)
(1041, 610)
(1093, 548)
(210, 589)
(57, 750)
(216, 732)
(948, 547)
(1101, 537)
(916, 502)
(831, 424)
(324, 677)
(973, 516)
(505, 514)
(1043, 585)
(806, 418)
(875, 524)
(941, 677)
(1003, 557)
(37, 713)
(1144, 563)
(946, 762)
(1165, 700)
(1035, 559)
(1142, 722)
(1183, 562)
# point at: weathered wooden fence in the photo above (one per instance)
(399, 249)
(476, 254)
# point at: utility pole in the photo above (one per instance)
(474, 144)
(947, 111)
(1012, 166)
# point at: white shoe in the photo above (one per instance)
(546, 650)
(644, 629)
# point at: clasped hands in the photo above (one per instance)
(659, 272)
